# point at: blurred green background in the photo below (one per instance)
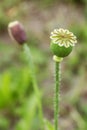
(18, 104)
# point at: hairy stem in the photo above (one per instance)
(56, 102)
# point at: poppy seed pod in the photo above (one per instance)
(62, 42)
(17, 32)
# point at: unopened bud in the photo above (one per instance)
(17, 32)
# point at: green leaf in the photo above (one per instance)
(5, 89)
(28, 112)
(48, 125)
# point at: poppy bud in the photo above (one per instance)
(17, 32)
(62, 42)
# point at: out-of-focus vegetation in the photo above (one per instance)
(18, 104)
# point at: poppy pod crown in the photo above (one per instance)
(62, 42)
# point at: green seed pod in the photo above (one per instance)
(62, 42)
(60, 51)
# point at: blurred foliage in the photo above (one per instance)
(15, 88)
(18, 103)
(81, 57)
(8, 12)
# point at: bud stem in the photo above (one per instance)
(35, 86)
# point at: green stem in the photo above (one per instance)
(56, 111)
(36, 89)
